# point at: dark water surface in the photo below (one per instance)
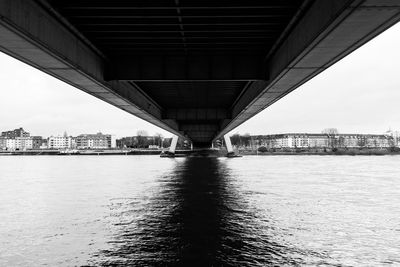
(151, 211)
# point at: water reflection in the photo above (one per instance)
(151, 211)
(195, 217)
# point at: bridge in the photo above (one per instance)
(196, 68)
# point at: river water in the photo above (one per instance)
(151, 211)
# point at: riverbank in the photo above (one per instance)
(55, 152)
(329, 152)
(211, 152)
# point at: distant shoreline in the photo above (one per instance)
(333, 152)
(222, 152)
(79, 152)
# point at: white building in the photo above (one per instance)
(18, 143)
(59, 142)
(113, 141)
(11, 144)
(23, 143)
(96, 141)
(305, 140)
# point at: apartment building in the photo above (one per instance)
(20, 132)
(307, 140)
(59, 142)
(95, 141)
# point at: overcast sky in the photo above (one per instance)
(359, 94)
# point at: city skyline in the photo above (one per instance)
(141, 132)
(359, 94)
(20, 139)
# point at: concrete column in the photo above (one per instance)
(173, 144)
(228, 144)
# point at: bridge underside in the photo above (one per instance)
(195, 68)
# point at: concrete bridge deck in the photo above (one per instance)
(195, 68)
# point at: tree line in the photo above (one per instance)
(143, 140)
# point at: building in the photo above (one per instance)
(3, 143)
(37, 142)
(290, 140)
(44, 144)
(307, 140)
(318, 140)
(11, 144)
(95, 141)
(15, 133)
(23, 143)
(18, 143)
(59, 142)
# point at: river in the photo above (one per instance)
(151, 211)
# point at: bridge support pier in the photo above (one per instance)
(172, 147)
(228, 145)
(171, 152)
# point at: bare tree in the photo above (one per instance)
(235, 139)
(246, 139)
(330, 131)
(142, 139)
(158, 138)
(332, 134)
(141, 133)
(391, 142)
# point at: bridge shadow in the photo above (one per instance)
(195, 218)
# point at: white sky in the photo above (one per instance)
(359, 94)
